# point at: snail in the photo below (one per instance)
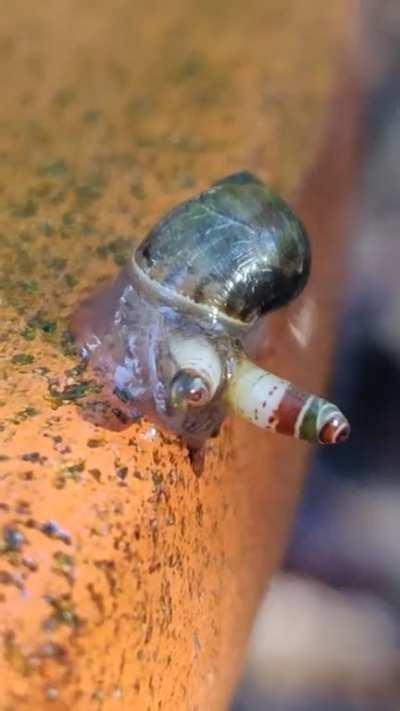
(174, 342)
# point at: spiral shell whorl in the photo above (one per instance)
(235, 248)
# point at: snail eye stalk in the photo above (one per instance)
(198, 371)
(274, 404)
(189, 389)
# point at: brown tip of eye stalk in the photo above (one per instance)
(335, 431)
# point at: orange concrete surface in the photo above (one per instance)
(127, 579)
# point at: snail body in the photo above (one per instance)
(197, 284)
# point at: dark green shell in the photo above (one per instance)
(236, 247)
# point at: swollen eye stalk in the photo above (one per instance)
(275, 404)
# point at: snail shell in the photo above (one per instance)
(236, 249)
(202, 278)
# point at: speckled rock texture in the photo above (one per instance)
(128, 576)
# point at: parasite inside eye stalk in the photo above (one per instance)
(262, 398)
(275, 404)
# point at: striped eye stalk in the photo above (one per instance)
(275, 404)
(256, 395)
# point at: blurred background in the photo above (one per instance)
(327, 639)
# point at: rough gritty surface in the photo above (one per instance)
(126, 580)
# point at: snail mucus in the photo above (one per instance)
(173, 344)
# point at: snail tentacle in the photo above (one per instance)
(198, 371)
(275, 404)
